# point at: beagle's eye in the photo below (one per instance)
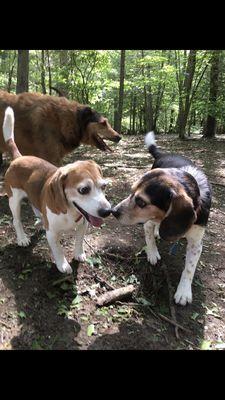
(103, 187)
(84, 190)
(140, 202)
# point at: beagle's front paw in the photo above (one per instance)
(183, 294)
(23, 241)
(153, 255)
(65, 268)
(80, 257)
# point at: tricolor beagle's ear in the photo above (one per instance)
(57, 199)
(179, 220)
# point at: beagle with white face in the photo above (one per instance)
(64, 198)
(174, 198)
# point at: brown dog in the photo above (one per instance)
(50, 127)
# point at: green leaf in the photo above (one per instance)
(36, 346)
(77, 300)
(206, 345)
(50, 295)
(65, 286)
(22, 314)
(90, 329)
(194, 316)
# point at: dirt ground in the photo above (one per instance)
(39, 309)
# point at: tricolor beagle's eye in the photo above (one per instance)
(84, 190)
(140, 202)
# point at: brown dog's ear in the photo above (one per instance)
(87, 115)
(56, 196)
(179, 219)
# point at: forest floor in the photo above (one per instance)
(39, 310)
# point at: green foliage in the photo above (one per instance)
(151, 76)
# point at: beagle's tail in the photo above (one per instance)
(8, 133)
(151, 145)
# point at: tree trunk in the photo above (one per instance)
(121, 92)
(22, 71)
(184, 95)
(134, 115)
(43, 72)
(210, 126)
(49, 73)
(10, 75)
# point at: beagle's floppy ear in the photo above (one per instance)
(57, 199)
(179, 220)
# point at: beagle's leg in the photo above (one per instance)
(38, 223)
(194, 237)
(151, 251)
(79, 253)
(60, 260)
(15, 207)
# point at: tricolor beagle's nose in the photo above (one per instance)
(115, 212)
(104, 212)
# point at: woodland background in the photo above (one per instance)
(169, 91)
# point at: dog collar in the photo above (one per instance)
(78, 219)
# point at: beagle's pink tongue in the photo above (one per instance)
(95, 221)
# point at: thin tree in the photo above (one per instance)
(211, 123)
(119, 112)
(22, 71)
(184, 87)
(43, 72)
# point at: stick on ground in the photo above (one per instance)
(114, 295)
(172, 309)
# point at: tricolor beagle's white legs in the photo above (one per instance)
(57, 251)
(15, 206)
(194, 237)
(79, 253)
(151, 251)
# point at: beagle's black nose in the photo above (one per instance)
(104, 212)
(115, 212)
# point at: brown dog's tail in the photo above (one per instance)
(8, 133)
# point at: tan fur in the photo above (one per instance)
(48, 126)
(45, 184)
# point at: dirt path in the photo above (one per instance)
(37, 312)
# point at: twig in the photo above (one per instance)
(5, 324)
(125, 166)
(65, 278)
(118, 256)
(174, 323)
(217, 184)
(192, 344)
(172, 309)
(114, 295)
(91, 247)
(103, 282)
(157, 315)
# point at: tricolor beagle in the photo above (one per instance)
(173, 198)
(64, 198)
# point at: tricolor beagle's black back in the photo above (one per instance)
(192, 178)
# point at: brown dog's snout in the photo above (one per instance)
(118, 138)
